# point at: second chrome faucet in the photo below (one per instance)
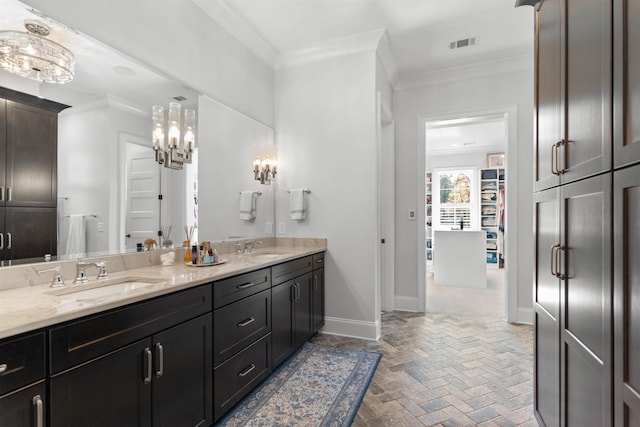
(81, 267)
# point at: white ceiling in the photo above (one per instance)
(476, 134)
(419, 31)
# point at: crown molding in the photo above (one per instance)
(344, 46)
(385, 53)
(239, 29)
(104, 101)
(480, 69)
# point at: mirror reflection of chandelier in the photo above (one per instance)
(31, 55)
(177, 147)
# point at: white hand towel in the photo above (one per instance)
(296, 201)
(247, 205)
(76, 239)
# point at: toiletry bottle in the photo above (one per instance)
(187, 251)
(194, 254)
(215, 257)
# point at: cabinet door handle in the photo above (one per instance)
(149, 365)
(1, 241)
(319, 261)
(296, 291)
(554, 158)
(315, 282)
(160, 351)
(3, 367)
(560, 275)
(553, 259)
(246, 285)
(1, 194)
(39, 409)
(246, 322)
(9, 240)
(8, 194)
(247, 370)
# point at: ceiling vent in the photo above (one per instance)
(457, 44)
(179, 98)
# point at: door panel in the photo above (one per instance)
(143, 188)
(626, 82)
(627, 296)
(547, 221)
(33, 232)
(586, 344)
(588, 108)
(547, 367)
(548, 120)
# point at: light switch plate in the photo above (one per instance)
(412, 214)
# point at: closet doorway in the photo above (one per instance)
(465, 194)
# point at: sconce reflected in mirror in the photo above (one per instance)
(265, 170)
(177, 148)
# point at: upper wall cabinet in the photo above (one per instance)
(626, 110)
(573, 90)
(28, 150)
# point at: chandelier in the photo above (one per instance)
(29, 54)
(177, 148)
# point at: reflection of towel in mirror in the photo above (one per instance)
(76, 238)
(247, 205)
(296, 201)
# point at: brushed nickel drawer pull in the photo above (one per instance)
(8, 194)
(160, 370)
(1, 194)
(9, 240)
(319, 261)
(149, 366)
(247, 370)
(246, 322)
(3, 368)
(246, 285)
(37, 403)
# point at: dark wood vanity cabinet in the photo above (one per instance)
(317, 293)
(23, 394)
(145, 364)
(28, 175)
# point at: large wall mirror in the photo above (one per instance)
(107, 172)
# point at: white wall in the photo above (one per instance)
(326, 139)
(178, 39)
(231, 141)
(411, 105)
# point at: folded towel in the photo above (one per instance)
(296, 202)
(247, 205)
(77, 237)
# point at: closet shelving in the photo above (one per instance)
(492, 187)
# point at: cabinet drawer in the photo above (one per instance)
(318, 260)
(85, 339)
(239, 375)
(288, 270)
(22, 361)
(235, 288)
(239, 324)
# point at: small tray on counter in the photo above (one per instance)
(189, 264)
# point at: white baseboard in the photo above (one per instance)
(351, 328)
(405, 303)
(525, 315)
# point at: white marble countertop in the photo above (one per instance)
(32, 307)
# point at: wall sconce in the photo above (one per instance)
(177, 148)
(264, 170)
(528, 3)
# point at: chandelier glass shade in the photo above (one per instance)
(29, 54)
(177, 148)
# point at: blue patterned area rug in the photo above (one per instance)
(317, 386)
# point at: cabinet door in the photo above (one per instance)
(24, 407)
(626, 209)
(3, 149)
(548, 91)
(282, 297)
(317, 299)
(626, 82)
(30, 232)
(108, 391)
(547, 307)
(303, 321)
(183, 375)
(585, 310)
(32, 154)
(588, 92)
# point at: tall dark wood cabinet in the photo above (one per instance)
(587, 215)
(28, 175)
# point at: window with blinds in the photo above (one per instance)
(454, 198)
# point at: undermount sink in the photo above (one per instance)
(112, 287)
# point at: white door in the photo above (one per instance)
(143, 187)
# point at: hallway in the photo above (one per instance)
(447, 370)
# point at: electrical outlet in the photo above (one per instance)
(412, 215)
(268, 228)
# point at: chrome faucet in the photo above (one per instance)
(81, 267)
(57, 281)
